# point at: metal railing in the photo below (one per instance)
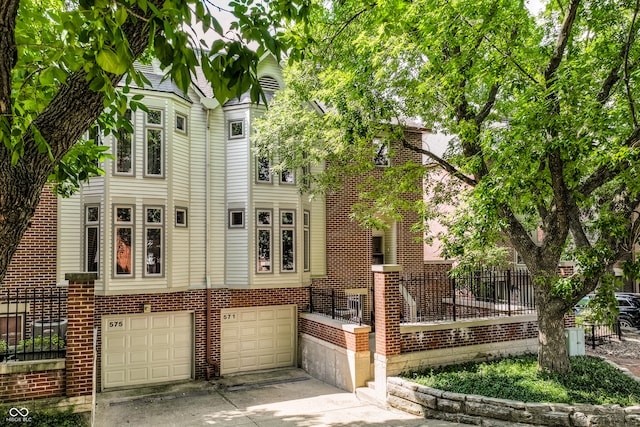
(336, 304)
(33, 323)
(430, 297)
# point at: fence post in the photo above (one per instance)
(593, 336)
(79, 358)
(453, 297)
(333, 303)
(508, 273)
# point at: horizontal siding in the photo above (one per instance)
(70, 235)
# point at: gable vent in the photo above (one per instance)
(268, 84)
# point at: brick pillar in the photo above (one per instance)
(79, 359)
(388, 303)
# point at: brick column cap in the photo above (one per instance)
(386, 268)
(81, 277)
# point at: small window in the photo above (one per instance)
(263, 170)
(381, 157)
(236, 129)
(181, 217)
(92, 238)
(154, 117)
(287, 177)
(236, 218)
(181, 123)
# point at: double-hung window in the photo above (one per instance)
(123, 238)
(153, 232)
(92, 238)
(154, 144)
(124, 146)
(288, 240)
(264, 229)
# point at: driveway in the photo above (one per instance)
(286, 398)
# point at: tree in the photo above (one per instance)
(543, 111)
(62, 61)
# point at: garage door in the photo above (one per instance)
(257, 338)
(146, 348)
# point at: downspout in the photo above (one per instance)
(213, 367)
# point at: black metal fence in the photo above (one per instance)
(336, 304)
(432, 297)
(33, 323)
(599, 333)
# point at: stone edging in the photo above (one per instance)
(486, 411)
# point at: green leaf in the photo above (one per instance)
(110, 62)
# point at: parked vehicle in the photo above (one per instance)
(628, 305)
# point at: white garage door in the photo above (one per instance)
(257, 338)
(149, 348)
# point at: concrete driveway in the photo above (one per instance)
(282, 398)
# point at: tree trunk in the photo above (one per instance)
(552, 349)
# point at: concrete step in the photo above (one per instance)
(371, 384)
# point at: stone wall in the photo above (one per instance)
(486, 411)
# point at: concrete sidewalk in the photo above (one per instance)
(287, 397)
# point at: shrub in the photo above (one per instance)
(40, 343)
(591, 381)
(3, 346)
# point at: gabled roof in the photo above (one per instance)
(155, 76)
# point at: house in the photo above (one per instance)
(203, 257)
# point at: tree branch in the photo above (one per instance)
(442, 163)
(561, 42)
(488, 106)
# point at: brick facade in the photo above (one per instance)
(349, 246)
(34, 263)
(387, 309)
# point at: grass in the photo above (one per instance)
(591, 381)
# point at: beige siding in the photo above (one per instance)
(216, 197)
(70, 236)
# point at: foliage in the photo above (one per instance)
(542, 118)
(591, 381)
(41, 343)
(51, 418)
(3, 346)
(493, 257)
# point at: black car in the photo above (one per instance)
(628, 304)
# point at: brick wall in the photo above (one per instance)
(196, 301)
(31, 385)
(335, 335)
(34, 263)
(460, 337)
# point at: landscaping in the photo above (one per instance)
(591, 381)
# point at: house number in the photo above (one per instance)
(116, 324)
(230, 316)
